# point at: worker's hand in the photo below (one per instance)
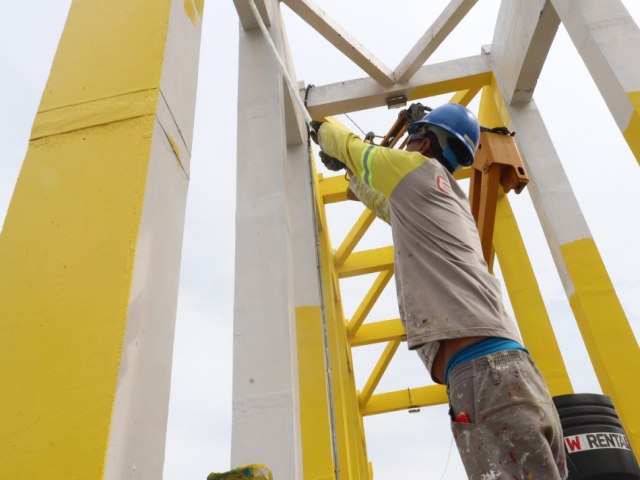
(331, 163)
(314, 126)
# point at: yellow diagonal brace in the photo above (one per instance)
(367, 261)
(354, 236)
(611, 344)
(405, 399)
(369, 301)
(378, 332)
(463, 97)
(315, 423)
(378, 371)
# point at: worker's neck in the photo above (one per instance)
(425, 149)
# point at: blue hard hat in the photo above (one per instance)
(457, 130)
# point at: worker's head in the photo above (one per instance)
(450, 133)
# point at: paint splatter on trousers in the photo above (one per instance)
(514, 430)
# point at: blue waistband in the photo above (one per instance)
(480, 349)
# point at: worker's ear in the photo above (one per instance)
(425, 146)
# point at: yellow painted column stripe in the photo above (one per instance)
(66, 256)
(94, 113)
(608, 336)
(317, 457)
(632, 132)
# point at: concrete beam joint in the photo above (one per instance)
(247, 20)
(365, 93)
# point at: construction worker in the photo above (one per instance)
(502, 416)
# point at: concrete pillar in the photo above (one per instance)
(276, 269)
(90, 251)
(608, 40)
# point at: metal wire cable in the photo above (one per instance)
(446, 464)
(352, 121)
(292, 86)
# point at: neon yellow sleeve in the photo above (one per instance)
(378, 167)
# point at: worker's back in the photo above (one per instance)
(443, 283)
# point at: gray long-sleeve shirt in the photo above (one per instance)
(443, 284)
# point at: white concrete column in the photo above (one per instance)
(556, 205)
(139, 423)
(266, 426)
(523, 35)
(90, 250)
(603, 324)
(608, 40)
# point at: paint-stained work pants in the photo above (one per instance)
(514, 430)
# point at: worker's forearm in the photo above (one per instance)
(371, 198)
(343, 145)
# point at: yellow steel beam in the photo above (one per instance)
(378, 371)
(333, 189)
(367, 261)
(354, 236)
(369, 301)
(406, 399)
(378, 332)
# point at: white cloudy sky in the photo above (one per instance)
(604, 174)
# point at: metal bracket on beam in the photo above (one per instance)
(497, 164)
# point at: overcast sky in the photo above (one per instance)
(604, 175)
